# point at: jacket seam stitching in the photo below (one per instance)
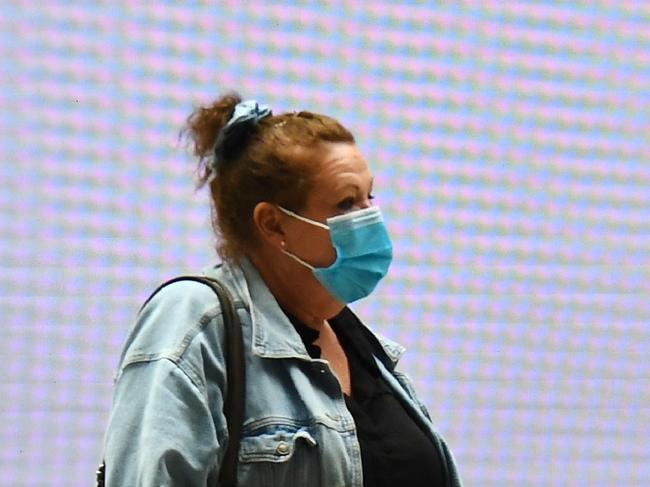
(177, 355)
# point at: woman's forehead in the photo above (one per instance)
(344, 165)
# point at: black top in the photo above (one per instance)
(395, 450)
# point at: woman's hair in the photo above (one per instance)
(276, 163)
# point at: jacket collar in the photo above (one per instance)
(392, 351)
(273, 335)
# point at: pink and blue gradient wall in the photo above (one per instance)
(509, 141)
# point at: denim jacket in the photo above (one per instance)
(167, 427)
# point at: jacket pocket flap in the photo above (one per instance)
(276, 446)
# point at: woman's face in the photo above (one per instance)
(343, 183)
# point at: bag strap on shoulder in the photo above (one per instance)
(234, 400)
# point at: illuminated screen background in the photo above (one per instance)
(509, 141)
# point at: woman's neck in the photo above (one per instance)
(296, 290)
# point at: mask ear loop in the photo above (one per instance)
(295, 257)
(306, 220)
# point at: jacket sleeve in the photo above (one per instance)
(166, 426)
(161, 431)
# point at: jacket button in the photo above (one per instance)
(283, 448)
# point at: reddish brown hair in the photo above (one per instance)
(276, 164)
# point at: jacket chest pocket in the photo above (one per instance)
(279, 457)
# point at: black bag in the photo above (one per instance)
(235, 374)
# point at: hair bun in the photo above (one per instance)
(203, 126)
(233, 137)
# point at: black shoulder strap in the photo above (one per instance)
(234, 400)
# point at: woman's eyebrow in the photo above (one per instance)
(354, 185)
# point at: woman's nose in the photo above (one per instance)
(366, 203)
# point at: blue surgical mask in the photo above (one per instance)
(363, 253)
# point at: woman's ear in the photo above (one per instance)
(268, 222)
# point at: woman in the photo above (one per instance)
(300, 239)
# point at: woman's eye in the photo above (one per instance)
(346, 204)
(350, 203)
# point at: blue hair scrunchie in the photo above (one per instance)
(233, 137)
